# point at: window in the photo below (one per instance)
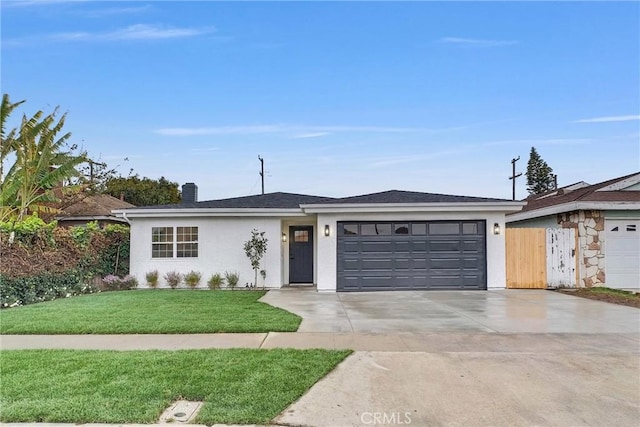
(163, 245)
(162, 242)
(187, 242)
(444, 228)
(401, 229)
(350, 229)
(301, 236)
(418, 229)
(375, 229)
(469, 228)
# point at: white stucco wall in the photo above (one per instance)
(326, 265)
(220, 248)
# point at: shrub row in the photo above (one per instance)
(15, 291)
(192, 279)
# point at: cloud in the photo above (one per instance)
(28, 3)
(609, 119)
(300, 131)
(204, 149)
(98, 13)
(534, 142)
(134, 32)
(389, 161)
(460, 41)
(310, 135)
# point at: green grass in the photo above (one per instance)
(237, 386)
(616, 292)
(150, 312)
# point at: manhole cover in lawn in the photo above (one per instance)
(181, 411)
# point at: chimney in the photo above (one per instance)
(189, 193)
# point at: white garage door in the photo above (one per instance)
(622, 253)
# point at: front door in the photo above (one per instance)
(301, 254)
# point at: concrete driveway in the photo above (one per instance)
(507, 311)
(497, 358)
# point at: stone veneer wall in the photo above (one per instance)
(590, 229)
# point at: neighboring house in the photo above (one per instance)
(97, 207)
(607, 219)
(394, 240)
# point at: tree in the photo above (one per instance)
(255, 248)
(539, 174)
(144, 191)
(7, 140)
(43, 161)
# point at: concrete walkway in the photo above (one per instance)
(400, 342)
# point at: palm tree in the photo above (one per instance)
(41, 165)
(7, 140)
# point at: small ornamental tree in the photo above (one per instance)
(539, 174)
(255, 248)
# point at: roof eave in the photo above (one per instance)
(507, 206)
(205, 212)
(571, 206)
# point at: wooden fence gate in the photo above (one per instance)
(539, 258)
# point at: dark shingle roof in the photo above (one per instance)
(396, 196)
(260, 201)
(584, 194)
(95, 205)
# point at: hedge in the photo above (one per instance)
(15, 291)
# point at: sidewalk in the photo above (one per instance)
(399, 342)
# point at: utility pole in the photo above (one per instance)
(261, 172)
(514, 176)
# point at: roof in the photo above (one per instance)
(276, 204)
(260, 201)
(609, 194)
(93, 206)
(397, 196)
(587, 193)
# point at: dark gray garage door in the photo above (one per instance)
(377, 256)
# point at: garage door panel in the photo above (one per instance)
(444, 246)
(446, 263)
(377, 264)
(472, 246)
(428, 255)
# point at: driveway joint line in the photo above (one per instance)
(263, 340)
(346, 313)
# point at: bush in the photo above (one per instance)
(16, 291)
(232, 279)
(216, 281)
(173, 278)
(152, 278)
(192, 279)
(115, 283)
(26, 230)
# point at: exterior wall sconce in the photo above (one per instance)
(496, 228)
(327, 230)
(284, 237)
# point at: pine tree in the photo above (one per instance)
(539, 174)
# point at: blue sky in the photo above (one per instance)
(339, 98)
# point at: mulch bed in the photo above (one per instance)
(630, 300)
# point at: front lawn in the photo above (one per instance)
(237, 386)
(614, 296)
(150, 312)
